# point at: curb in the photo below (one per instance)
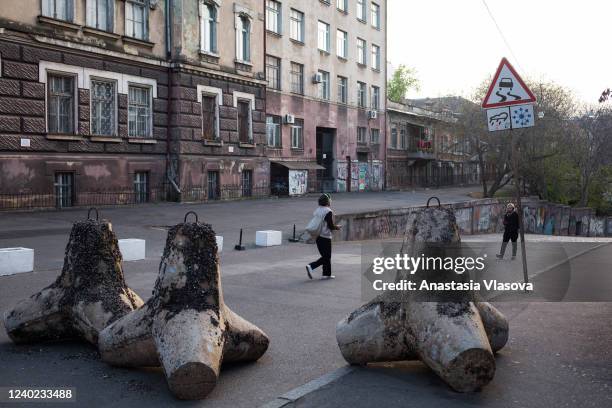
(289, 398)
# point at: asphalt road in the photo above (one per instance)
(268, 286)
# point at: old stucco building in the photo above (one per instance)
(326, 93)
(98, 95)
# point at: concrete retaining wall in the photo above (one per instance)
(481, 217)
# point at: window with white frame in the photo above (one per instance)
(103, 107)
(375, 97)
(297, 134)
(208, 27)
(323, 36)
(139, 111)
(273, 130)
(361, 51)
(58, 9)
(100, 14)
(361, 94)
(273, 71)
(375, 15)
(273, 16)
(137, 19)
(361, 10)
(342, 89)
(324, 85)
(375, 57)
(374, 136)
(297, 78)
(61, 103)
(296, 25)
(361, 135)
(342, 5)
(342, 44)
(243, 33)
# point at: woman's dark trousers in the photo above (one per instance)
(324, 245)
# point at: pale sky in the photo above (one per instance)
(454, 44)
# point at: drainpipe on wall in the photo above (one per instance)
(169, 166)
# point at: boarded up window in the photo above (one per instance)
(209, 117)
(244, 125)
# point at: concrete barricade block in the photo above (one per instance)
(16, 260)
(132, 249)
(268, 238)
(219, 239)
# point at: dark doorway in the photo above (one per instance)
(279, 180)
(325, 157)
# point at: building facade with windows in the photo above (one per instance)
(326, 93)
(217, 147)
(83, 98)
(107, 95)
(424, 149)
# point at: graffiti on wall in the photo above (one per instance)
(597, 227)
(464, 219)
(341, 176)
(298, 182)
(377, 180)
(354, 175)
(363, 173)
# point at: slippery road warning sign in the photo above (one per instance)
(507, 88)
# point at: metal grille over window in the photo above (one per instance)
(141, 187)
(61, 104)
(102, 108)
(64, 192)
(139, 112)
(247, 183)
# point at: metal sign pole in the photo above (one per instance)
(515, 171)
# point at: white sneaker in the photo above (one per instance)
(309, 271)
(328, 277)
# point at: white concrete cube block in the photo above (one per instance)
(132, 249)
(268, 238)
(16, 260)
(219, 239)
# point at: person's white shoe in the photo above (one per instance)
(328, 277)
(309, 271)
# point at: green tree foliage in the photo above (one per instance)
(403, 80)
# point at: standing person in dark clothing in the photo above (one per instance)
(511, 229)
(324, 240)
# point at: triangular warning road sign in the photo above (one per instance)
(507, 88)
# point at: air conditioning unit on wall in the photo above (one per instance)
(317, 78)
(372, 114)
(289, 119)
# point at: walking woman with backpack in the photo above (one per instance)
(322, 226)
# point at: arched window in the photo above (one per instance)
(208, 27)
(244, 39)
